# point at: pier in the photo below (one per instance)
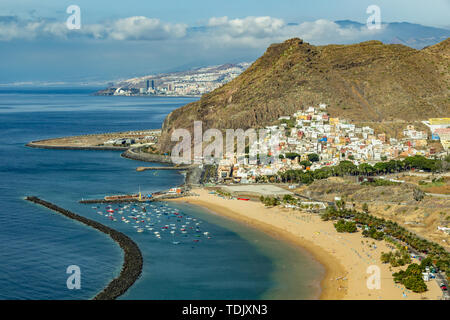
(133, 261)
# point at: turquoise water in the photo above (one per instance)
(36, 245)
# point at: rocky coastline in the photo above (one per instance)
(135, 154)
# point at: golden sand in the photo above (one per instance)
(346, 257)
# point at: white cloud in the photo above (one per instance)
(258, 27)
(248, 32)
(262, 31)
(131, 28)
(143, 28)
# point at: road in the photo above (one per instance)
(440, 277)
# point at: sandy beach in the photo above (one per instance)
(346, 257)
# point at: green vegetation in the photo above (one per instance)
(289, 123)
(269, 201)
(223, 193)
(411, 278)
(380, 183)
(313, 157)
(436, 182)
(345, 226)
(391, 229)
(292, 155)
(305, 163)
(396, 259)
(348, 168)
(373, 233)
(287, 198)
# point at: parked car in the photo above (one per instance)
(443, 287)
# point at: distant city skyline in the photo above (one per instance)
(136, 38)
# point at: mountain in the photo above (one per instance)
(369, 81)
(410, 34)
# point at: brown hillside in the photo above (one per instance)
(369, 81)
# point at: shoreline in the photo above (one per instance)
(345, 257)
(36, 145)
(333, 268)
(132, 260)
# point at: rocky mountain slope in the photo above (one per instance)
(369, 81)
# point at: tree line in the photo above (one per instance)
(346, 167)
(437, 254)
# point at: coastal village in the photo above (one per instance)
(311, 140)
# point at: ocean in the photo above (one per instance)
(215, 259)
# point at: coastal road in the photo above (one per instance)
(440, 277)
(330, 203)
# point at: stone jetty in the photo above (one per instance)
(133, 261)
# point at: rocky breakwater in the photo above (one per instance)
(137, 154)
(133, 261)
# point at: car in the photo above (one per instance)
(443, 287)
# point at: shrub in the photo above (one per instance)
(343, 226)
(411, 278)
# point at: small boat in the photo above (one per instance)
(243, 199)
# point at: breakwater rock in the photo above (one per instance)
(135, 154)
(133, 261)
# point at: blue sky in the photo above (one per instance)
(119, 39)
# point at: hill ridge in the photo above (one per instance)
(368, 81)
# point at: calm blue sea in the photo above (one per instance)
(230, 261)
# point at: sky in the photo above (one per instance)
(121, 39)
